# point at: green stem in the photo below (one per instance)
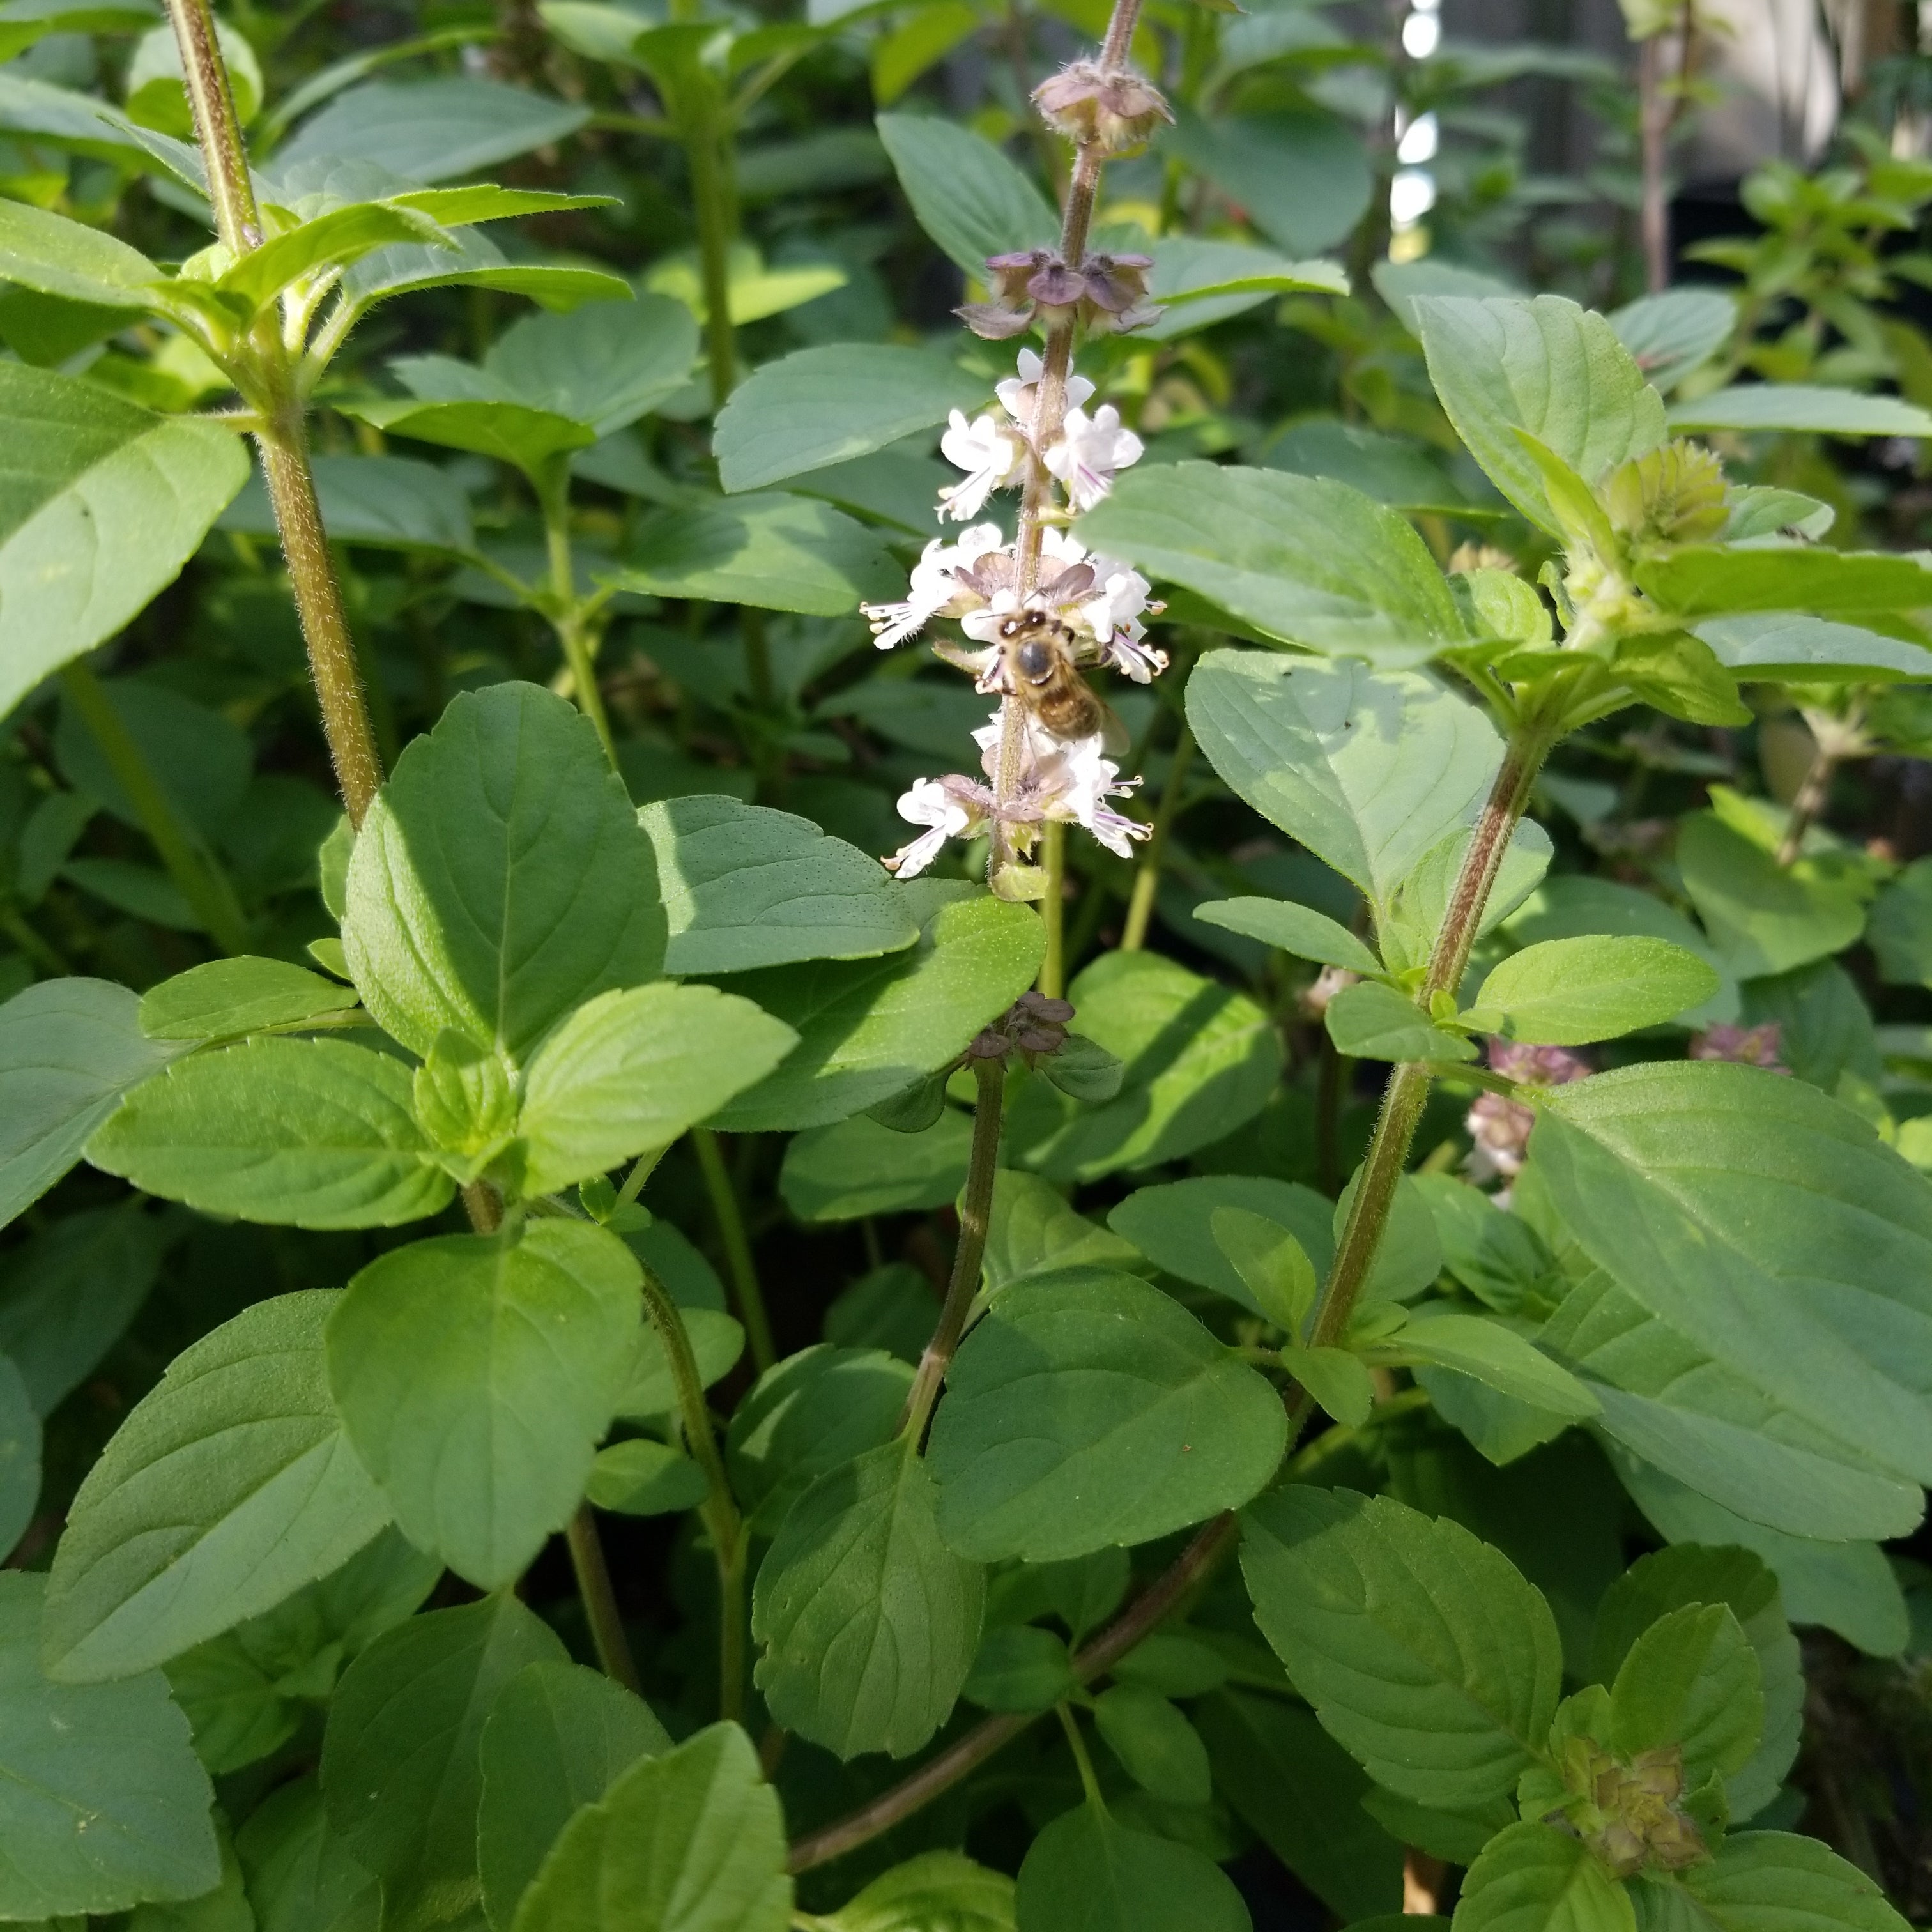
(749, 1296)
(711, 203)
(573, 628)
(976, 1211)
(231, 189)
(1053, 911)
(1089, 1782)
(600, 1600)
(200, 880)
(1147, 880)
(719, 1510)
(37, 948)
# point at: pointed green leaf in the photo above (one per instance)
(1799, 408)
(1032, 1231)
(1086, 1872)
(304, 1133)
(1702, 581)
(228, 1488)
(71, 1292)
(402, 1773)
(1692, 1680)
(964, 192)
(1496, 1354)
(1297, 930)
(501, 878)
(1424, 1651)
(47, 252)
(1374, 1021)
(475, 1379)
(300, 1876)
(1087, 1409)
(1762, 1880)
(432, 131)
(223, 997)
(1564, 992)
(859, 1167)
(606, 365)
(1172, 1225)
(937, 1888)
(1763, 917)
(869, 1622)
(1533, 1878)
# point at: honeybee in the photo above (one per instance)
(1042, 658)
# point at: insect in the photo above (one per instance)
(1042, 656)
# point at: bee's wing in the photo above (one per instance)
(1116, 740)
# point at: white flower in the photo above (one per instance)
(1018, 394)
(934, 590)
(951, 808)
(991, 454)
(1090, 451)
(1068, 781)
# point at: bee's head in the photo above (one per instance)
(1035, 659)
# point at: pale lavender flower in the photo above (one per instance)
(1088, 453)
(936, 589)
(992, 455)
(1747, 1046)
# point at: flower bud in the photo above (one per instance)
(1114, 110)
(1674, 494)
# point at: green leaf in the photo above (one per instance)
(1497, 1256)
(1481, 1346)
(1020, 1667)
(1198, 1059)
(501, 878)
(557, 1739)
(631, 1070)
(858, 1168)
(643, 1477)
(1410, 1256)
(1159, 1749)
(300, 1876)
(1389, 469)
(1086, 1872)
(772, 551)
(246, 1691)
(1414, 915)
(69, 1050)
(475, 262)
(1368, 770)
(1032, 1231)
(1711, 580)
(868, 1029)
(869, 1621)
(1533, 1878)
(389, 502)
(819, 407)
(1716, 1428)
(1730, 1203)
(1339, 1382)
(102, 1804)
(1760, 1879)
(1297, 930)
(461, 408)
(1300, 173)
(1673, 333)
(716, 1340)
(79, 461)
(935, 1889)
(20, 1454)
(228, 1488)
(606, 365)
(432, 131)
(47, 252)
(1565, 992)
(1271, 1263)
(22, 22)
(1173, 1225)
(1374, 1021)
(1201, 282)
(744, 886)
(692, 1841)
(812, 1413)
(1801, 407)
(223, 998)
(964, 192)
(402, 1772)
(1546, 366)
(1424, 1650)
(71, 1292)
(1763, 918)
(1690, 1680)
(1301, 1794)
(304, 1133)
(330, 240)
(1312, 563)
(483, 201)
(1669, 1579)
(475, 1379)
(1087, 1409)
(1777, 647)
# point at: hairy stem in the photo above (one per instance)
(745, 1290)
(975, 1215)
(268, 384)
(600, 1600)
(719, 1510)
(1812, 794)
(1147, 879)
(1401, 1107)
(573, 629)
(199, 878)
(1141, 1618)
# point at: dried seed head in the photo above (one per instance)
(1114, 110)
